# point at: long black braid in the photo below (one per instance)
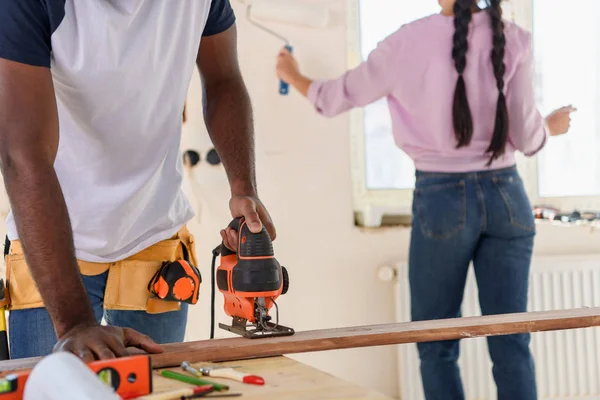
(500, 137)
(461, 112)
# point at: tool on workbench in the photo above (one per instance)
(177, 281)
(64, 376)
(192, 380)
(251, 279)
(223, 372)
(196, 396)
(124, 375)
(183, 393)
(286, 11)
(4, 300)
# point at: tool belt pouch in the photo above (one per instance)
(126, 286)
(22, 291)
(176, 281)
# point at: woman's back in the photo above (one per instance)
(415, 69)
(425, 80)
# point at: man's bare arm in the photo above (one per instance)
(228, 117)
(28, 146)
(227, 109)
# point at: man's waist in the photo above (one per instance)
(126, 283)
(163, 249)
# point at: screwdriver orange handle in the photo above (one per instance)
(230, 373)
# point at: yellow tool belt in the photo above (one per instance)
(127, 284)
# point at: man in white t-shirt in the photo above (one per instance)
(91, 101)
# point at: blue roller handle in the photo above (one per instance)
(284, 88)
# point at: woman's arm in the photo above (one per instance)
(359, 87)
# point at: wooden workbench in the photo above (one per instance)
(285, 379)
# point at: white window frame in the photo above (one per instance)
(528, 167)
(374, 208)
(370, 206)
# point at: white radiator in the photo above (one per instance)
(567, 362)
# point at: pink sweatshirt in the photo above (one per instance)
(414, 69)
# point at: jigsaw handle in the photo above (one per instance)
(256, 269)
(235, 225)
(249, 244)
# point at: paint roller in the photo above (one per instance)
(291, 12)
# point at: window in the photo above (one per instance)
(383, 174)
(568, 72)
(387, 167)
(566, 174)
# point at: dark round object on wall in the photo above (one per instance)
(192, 157)
(212, 157)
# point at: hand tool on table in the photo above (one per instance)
(122, 375)
(192, 380)
(182, 393)
(64, 376)
(251, 279)
(210, 395)
(223, 372)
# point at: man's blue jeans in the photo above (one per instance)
(485, 218)
(32, 333)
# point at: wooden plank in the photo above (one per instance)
(284, 379)
(362, 336)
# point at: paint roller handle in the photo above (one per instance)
(284, 87)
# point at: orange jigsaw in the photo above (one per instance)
(251, 280)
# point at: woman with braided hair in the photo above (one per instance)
(460, 93)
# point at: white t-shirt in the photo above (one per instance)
(121, 71)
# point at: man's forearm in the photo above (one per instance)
(228, 117)
(45, 233)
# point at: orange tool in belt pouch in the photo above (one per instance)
(177, 281)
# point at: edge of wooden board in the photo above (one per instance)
(361, 336)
